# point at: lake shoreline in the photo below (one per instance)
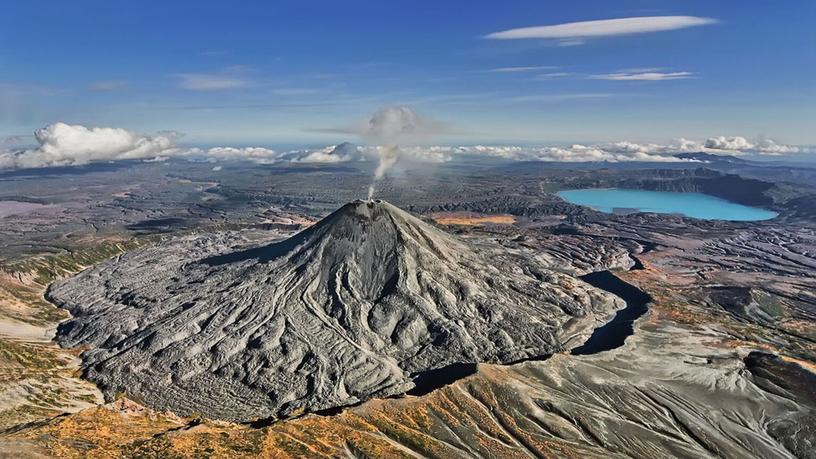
(688, 204)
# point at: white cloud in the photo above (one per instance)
(737, 144)
(628, 151)
(522, 69)
(320, 157)
(560, 97)
(68, 145)
(728, 143)
(575, 33)
(61, 144)
(643, 76)
(229, 78)
(262, 155)
(621, 152)
(206, 82)
(433, 154)
(331, 154)
(259, 155)
(552, 75)
(103, 86)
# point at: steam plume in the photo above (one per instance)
(389, 127)
(389, 155)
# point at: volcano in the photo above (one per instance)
(351, 308)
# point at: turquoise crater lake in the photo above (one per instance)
(695, 205)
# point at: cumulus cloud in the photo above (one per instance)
(629, 151)
(331, 154)
(643, 76)
(728, 143)
(320, 156)
(62, 144)
(743, 145)
(259, 155)
(616, 152)
(575, 33)
(433, 154)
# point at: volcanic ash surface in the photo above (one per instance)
(344, 311)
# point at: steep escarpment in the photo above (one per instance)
(349, 309)
(742, 190)
(731, 187)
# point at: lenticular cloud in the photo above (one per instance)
(603, 28)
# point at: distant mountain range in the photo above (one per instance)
(711, 158)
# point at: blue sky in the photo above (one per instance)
(257, 72)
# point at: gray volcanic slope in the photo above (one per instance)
(344, 311)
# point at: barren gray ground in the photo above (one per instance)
(717, 367)
(344, 311)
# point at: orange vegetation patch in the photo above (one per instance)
(810, 366)
(801, 327)
(668, 301)
(472, 219)
(464, 419)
